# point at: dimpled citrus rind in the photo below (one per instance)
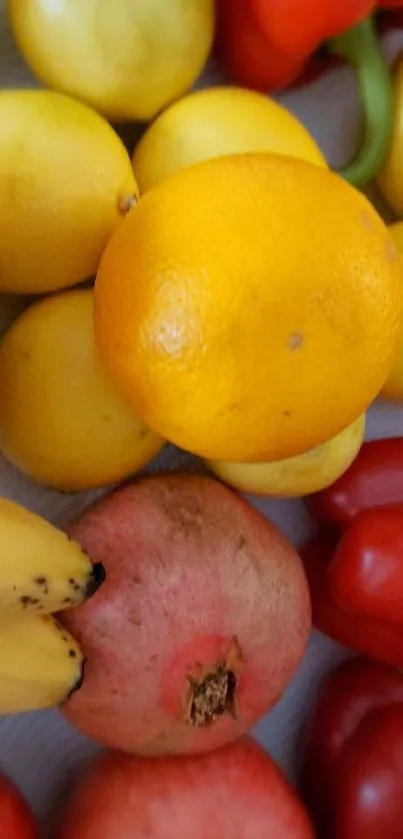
(249, 307)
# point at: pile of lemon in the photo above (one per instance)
(247, 302)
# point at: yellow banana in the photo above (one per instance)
(40, 664)
(42, 570)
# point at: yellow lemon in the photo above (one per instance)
(61, 420)
(126, 58)
(217, 121)
(238, 305)
(299, 475)
(393, 389)
(65, 181)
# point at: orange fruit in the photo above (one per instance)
(393, 387)
(249, 306)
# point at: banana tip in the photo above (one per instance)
(98, 577)
(77, 685)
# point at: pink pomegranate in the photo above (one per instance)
(235, 793)
(202, 620)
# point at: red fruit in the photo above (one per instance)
(374, 479)
(370, 780)
(235, 793)
(352, 768)
(363, 633)
(247, 54)
(365, 575)
(16, 819)
(200, 625)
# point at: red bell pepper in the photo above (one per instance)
(16, 819)
(375, 479)
(362, 632)
(352, 768)
(365, 575)
(268, 44)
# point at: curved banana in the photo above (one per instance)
(40, 664)
(42, 570)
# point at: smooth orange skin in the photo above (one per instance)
(393, 387)
(248, 308)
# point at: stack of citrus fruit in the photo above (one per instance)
(247, 305)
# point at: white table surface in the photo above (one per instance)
(40, 751)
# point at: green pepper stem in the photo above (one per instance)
(361, 48)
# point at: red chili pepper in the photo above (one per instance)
(375, 479)
(352, 769)
(362, 633)
(268, 44)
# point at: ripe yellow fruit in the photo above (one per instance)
(217, 121)
(126, 58)
(65, 181)
(61, 420)
(393, 388)
(249, 306)
(42, 570)
(390, 177)
(299, 475)
(41, 664)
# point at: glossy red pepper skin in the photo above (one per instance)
(243, 49)
(321, 61)
(267, 44)
(300, 28)
(365, 575)
(352, 768)
(363, 634)
(372, 768)
(16, 819)
(270, 44)
(375, 479)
